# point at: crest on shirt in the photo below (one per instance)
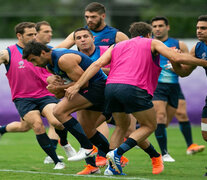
(105, 40)
(21, 64)
(204, 56)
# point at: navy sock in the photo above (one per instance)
(161, 136)
(91, 161)
(3, 130)
(54, 143)
(100, 141)
(151, 151)
(127, 145)
(74, 127)
(185, 128)
(63, 136)
(46, 144)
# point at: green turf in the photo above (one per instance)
(23, 158)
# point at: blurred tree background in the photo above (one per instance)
(67, 15)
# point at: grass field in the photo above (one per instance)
(22, 158)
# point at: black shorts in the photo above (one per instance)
(95, 94)
(168, 92)
(24, 105)
(181, 95)
(126, 98)
(204, 111)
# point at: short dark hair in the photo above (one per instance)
(82, 29)
(202, 18)
(157, 18)
(34, 48)
(19, 28)
(95, 7)
(39, 24)
(140, 29)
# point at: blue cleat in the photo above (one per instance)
(114, 158)
(110, 171)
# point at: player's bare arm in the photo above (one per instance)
(120, 36)
(4, 57)
(183, 47)
(69, 63)
(89, 73)
(106, 70)
(55, 79)
(186, 69)
(57, 85)
(175, 57)
(59, 90)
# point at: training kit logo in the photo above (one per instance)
(21, 64)
(105, 40)
(88, 154)
(204, 56)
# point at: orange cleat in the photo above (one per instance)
(124, 161)
(89, 170)
(157, 165)
(101, 161)
(194, 148)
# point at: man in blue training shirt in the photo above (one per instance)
(200, 51)
(85, 43)
(95, 14)
(90, 98)
(167, 93)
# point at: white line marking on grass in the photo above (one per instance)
(62, 174)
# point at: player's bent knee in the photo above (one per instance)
(56, 124)
(38, 127)
(56, 113)
(154, 127)
(161, 118)
(25, 129)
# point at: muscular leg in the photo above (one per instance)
(33, 118)
(132, 126)
(104, 129)
(122, 121)
(147, 122)
(59, 129)
(87, 119)
(181, 113)
(53, 135)
(63, 111)
(48, 113)
(160, 132)
(184, 123)
(16, 126)
(170, 113)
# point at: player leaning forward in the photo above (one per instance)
(131, 82)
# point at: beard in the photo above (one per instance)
(95, 26)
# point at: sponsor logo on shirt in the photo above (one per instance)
(204, 55)
(21, 64)
(105, 40)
